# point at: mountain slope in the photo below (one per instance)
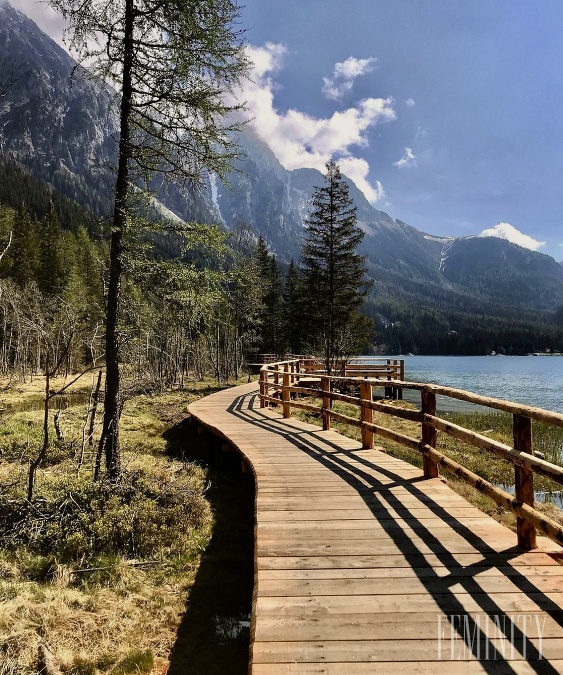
(63, 126)
(63, 130)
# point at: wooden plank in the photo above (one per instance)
(398, 560)
(444, 603)
(525, 572)
(383, 667)
(421, 626)
(408, 585)
(337, 651)
(397, 544)
(363, 513)
(357, 560)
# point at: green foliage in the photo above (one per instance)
(293, 311)
(333, 271)
(137, 661)
(18, 186)
(271, 313)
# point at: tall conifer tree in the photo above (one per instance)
(334, 272)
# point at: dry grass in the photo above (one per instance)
(120, 616)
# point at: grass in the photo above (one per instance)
(494, 424)
(99, 575)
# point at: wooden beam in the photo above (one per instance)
(524, 481)
(366, 414)
(429, 434)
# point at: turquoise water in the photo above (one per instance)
(531, 380)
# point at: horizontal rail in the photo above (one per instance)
(283, 377)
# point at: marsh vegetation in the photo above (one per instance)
(95, 576)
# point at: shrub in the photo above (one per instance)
(79, 519)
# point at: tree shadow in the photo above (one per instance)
(213, 636)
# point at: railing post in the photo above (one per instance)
(524, 480)
(429, 434)
(276, 381)
(263, 387)
(401, 377)
(325, 381)
(388, 390)
(286, 396)
(366, 415)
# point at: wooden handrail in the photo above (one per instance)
(285, 386)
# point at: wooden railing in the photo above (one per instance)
(279, 385)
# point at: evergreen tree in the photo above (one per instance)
(24, 251)
(271, 315)
(292, 310)
(52, 271)
(334, 273)
(272, 332)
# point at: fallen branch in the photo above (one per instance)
(109, 567)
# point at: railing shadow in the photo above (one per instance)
(377, 495)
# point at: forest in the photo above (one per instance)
(197, 299)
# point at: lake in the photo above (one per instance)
(531, 380)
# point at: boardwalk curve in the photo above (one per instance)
(362, 566)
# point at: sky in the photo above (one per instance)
(448, 114)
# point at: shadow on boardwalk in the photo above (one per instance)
(377, 495)
(209, 640)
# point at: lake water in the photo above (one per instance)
(531, 380)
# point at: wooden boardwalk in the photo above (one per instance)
(362, 566)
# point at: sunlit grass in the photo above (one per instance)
(98, 605)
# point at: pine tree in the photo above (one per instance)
(292, 310)
(24, 251)
(52, 272)
(334, 273)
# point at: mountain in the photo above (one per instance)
(61, 126)
(404, 261)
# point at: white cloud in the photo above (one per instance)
(343, 76)
(300, 140)
(410, 102)
(510, 233)
(407, 160)
(357, 169)
(46, 18)
(266, 59)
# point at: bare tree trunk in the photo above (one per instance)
(57, 423)
(90, 421)
(36, 463)
(109, 440)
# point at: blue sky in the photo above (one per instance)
(447, 113)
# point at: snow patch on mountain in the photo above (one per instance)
(444, 253)
(214, 190)
(441, 240)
